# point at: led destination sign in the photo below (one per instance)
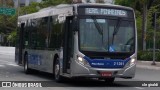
(104, 11)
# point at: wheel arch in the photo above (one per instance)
(25, 53)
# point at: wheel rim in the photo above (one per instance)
(25, 67)
(57, 69)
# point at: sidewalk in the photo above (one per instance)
(147, 65)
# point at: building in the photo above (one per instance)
(110, 1)
(100, 1)
(8, 3)
(24, 2)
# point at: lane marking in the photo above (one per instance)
(139, 88)
(5, 61)
(2, 66)
(13, 64)
(148, 67)
(8, 63)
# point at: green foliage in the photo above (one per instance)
(7, 25)
(33, 7)
(11, 38)
(148, 56)
(152, 6)
(130, 3)
(125, 2)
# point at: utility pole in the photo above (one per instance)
(4, 5)
(154, 39)
(18, 8)
(144, 26)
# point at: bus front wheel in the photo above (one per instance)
(26, 69)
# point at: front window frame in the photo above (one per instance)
(110, 18)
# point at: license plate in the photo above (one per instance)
(106, 74)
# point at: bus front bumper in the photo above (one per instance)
(90, 72)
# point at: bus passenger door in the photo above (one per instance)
(68, 45)
(19, 45)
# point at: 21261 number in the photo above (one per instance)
(118, 63)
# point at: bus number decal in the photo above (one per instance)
(118, 63)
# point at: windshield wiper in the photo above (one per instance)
(100, 30)
(116, 29)
(97, 25)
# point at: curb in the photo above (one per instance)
(147, 61)
(147, 65)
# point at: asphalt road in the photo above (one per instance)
(9, 71)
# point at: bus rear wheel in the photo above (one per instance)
(57, 76)
(26, 69)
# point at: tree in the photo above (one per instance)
(33, 7)
(99, 1)
(7, 23)
(47, 3)
(9, 3)
(142, 6)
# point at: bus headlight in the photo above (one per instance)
(133, 61)
(82, 61)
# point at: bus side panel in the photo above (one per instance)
(41, 60)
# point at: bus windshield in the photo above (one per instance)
(106, 35)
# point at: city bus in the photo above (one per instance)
(79, 40)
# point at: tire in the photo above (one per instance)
(57, 76)
(26, 69)
(109, 81)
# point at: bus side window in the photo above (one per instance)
(26, 35)
(56, 33)
(42, 33)
(33, 37)
(52, 37)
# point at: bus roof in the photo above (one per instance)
(64, 9)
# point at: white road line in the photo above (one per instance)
(13, 65)
(139, 88)
(5, 61)
(9, 63)
(2, 66)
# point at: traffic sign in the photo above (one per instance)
(7, 11)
